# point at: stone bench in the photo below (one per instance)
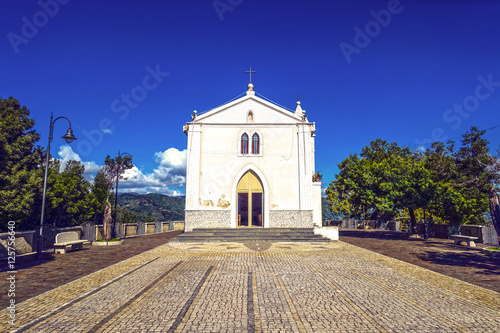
(458, 239)
(68, 238)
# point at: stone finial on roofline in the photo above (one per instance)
(298, 111)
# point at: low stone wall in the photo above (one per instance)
(358, 224)
(393, 225)
(440, 230)
(490, 236)
(150, 228)
(333, 223)
(24, 243)
(485, 234)
(179, 225)
(473, 231)
(130, 229)
(207, 219)
(291, 219)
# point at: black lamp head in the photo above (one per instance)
(69, 137)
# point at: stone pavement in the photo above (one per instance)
(34, 278)
(274, 287)
(439, 255)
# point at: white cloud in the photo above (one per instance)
(67, 154)
(107, 131)
(169, 175)
(172, 158)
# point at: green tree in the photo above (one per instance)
(480, 176)
(127, 216)
(493, 168)
(20, 175)
(462, 179)
(473, 175)
(67, 195)
(99, 195)
(382, 181)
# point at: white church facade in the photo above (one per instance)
(250, 163)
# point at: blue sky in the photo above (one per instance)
(128, 74)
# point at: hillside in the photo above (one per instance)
(158, 206)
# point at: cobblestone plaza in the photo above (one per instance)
(270, 287)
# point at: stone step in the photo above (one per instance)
(252, 235)
(244, 240)
(249, 236)
(253, 231)
(253, 228)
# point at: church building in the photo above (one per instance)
(250, 163)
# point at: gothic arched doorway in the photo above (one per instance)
(250, 200)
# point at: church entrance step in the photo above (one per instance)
(252, 234)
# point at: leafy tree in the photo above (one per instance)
(20, 174)
(99, 195)
(67, 195)
(384, 179)
(462, 179)
(475, 180)
(127, 216)
(480, 177)
(415, 189)
(493, 168)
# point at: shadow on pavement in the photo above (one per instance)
(376, 234)
(485, 265)
(439, 255)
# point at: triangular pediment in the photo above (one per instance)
(237, 112)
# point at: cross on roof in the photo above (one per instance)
(250, 72)
(298, 98)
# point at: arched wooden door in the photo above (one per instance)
(250, 201)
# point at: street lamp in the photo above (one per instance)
(118, 171)
(68, 137)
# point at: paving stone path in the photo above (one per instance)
(439, 255)
(288, 287)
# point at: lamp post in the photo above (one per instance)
(68, 137)
(118, 172)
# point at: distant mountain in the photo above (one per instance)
(158, 206)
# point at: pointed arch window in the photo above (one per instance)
(255, 144)
(244, 144)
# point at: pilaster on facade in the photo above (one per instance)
(193, 167)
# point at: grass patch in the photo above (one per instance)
(493, 248)
(111, 240)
